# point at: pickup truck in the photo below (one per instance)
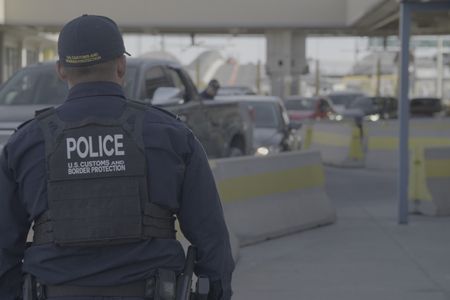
(223, 128)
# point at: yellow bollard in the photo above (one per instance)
(356, 147)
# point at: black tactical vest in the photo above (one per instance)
(97, 183)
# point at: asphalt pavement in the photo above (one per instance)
(366, 255)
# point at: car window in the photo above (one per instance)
(284, 120)
(177, 81)
(235, 91)
(153, 79)
(344, 99)
(191, 89)
(392, 103)
(324, 106)
(379, 103)
(300, 104)
(362, 103)
(41, 85)
(266, 115)
(34, 86)
(130, 81)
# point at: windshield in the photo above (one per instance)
(266, 115)
(344, 99)
(41, 85)
(362, 103)
(300, 104)
(234, 91)
(33, 86)
(369, 104)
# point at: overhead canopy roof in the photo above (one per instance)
(384, 19)
(363, 17)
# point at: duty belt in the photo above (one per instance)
(160, 287)
(143, 289)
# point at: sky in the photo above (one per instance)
(336, 54)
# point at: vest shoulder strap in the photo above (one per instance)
(51, 125)
(176, 117)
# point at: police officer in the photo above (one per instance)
(102, 178)
(211, 90)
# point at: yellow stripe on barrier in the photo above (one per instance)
(391, 143)
(437, 168)
(308, 137)
(356, 147)
(383, 126)
(245, 187)
(331, 139)
(418, 189)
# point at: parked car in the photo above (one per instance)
(272, 131)
(446, 107)
(234, 90)
(425, 107)
(376, 108)
(219, 126)
(341, 101)
(301, 108)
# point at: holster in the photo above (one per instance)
(32, 290)
(166, 282)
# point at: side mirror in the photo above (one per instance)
(167, 96)
(294, 126)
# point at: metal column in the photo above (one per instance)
(406, 8)
(405, 27)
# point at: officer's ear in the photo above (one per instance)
(62, 74)
(121, 67)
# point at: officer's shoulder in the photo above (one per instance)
(164, 112)
(22, 130)
(28, 124)
(153, 109)
(24, 124)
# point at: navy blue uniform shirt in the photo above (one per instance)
(179, 179)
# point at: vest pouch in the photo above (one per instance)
(96, 211)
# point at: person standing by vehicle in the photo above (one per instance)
(211, 90)
(103, 178)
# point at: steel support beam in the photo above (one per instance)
(406, 10)
(405, 28)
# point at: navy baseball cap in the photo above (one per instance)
(89, 40)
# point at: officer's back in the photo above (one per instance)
(102, 178)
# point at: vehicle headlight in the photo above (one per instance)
(262, 151)
(373, 118)
(339, 118)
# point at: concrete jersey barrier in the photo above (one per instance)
(429, 188)
(382, 140)
(340, 143)
(267, 197)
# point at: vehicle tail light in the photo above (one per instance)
(294, 116)
(298, 117)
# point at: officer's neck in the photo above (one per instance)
(73, 83)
